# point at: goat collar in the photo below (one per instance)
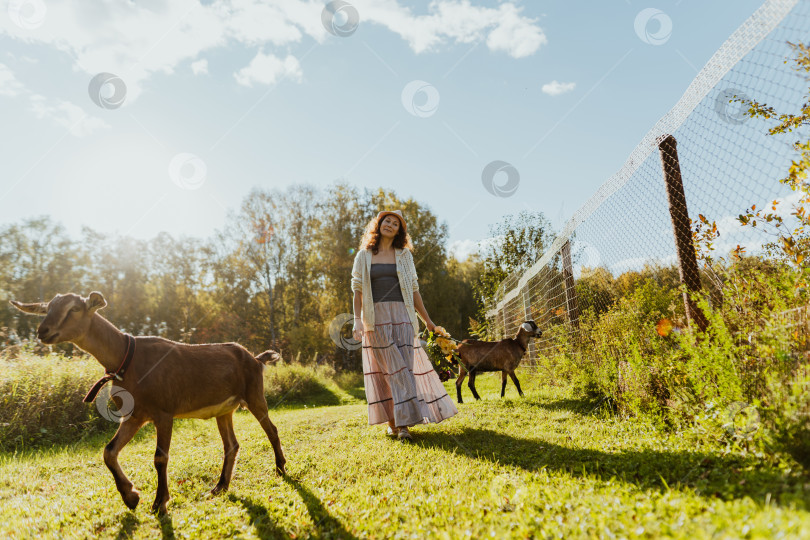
(117, 374)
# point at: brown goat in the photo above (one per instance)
(166, 380)
(504, 356)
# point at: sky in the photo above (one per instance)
(140, 117)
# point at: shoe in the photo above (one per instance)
(404, 434)
(392, 432)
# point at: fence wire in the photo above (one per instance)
(727, 162)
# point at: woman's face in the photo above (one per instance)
(389, 226)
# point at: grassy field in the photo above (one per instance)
(541, 466)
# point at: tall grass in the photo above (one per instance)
(639, 354)
(41, 396)
(41, 400)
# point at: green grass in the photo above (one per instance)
(541, 466)
(41, 397)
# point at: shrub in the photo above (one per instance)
(293, 384)
(786, 414)
(619, 354)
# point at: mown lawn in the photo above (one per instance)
(543, 466)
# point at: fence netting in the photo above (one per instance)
(727, 161)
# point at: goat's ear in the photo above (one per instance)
(36, 308)
(527, 326)
(95, 301)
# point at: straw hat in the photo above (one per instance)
(397, 213)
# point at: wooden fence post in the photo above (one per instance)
(527, 313)
(571, 303)
(681, 227)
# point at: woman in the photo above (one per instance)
(401, 386)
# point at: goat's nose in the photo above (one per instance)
(43, 331)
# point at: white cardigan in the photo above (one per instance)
(361, 281)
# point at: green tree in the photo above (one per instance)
(178, 271)
(513, 245)
(39, 262)
(340, 227)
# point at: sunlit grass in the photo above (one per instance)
(541, 466)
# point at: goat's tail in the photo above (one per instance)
(268, 357)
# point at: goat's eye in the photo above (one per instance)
(75, 309)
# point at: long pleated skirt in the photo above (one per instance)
(400, 381)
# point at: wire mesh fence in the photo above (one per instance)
(707, 157)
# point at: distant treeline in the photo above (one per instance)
(275, 275)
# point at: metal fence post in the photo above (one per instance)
(687, 259)
(571, 303)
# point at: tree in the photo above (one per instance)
(334, 246)
(39, 262)
(514, 244)
(251, 235)
(176, 283)
(429, 238)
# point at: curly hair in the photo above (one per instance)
(371, 238)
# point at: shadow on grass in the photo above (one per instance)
(710, 475)
(166, 526)
(260, 518)
(129, 523)
(84, 441)
(357, 392)
(311, 393)
(353, 384)
(325, 523)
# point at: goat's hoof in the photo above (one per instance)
(280, 469)
(159, 508)
(132, 499)
(219, 488)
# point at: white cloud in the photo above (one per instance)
(517, 36)
(66, 114)
(135, 40)
(200, 67)
(555, 88)
(256, 23)
(60, 111)
(9, 85)
(131, 40)
(503, 28)
(268, 69)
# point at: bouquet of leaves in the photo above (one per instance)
(440, 345)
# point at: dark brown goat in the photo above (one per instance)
(504, 356)
(166, 380)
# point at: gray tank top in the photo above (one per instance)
(385, 283)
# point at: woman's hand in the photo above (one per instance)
(430, 326)
(357, 332)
